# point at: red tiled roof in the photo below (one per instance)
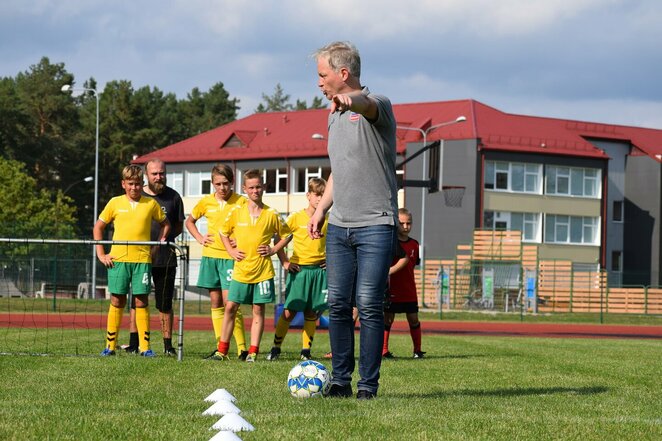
(289, 134)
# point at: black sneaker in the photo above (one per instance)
(132, 350)
(305, 355)
(418, 354)
(339, 391)
(170, 352)
(273, 354)
(217, 356)
(242, 356)
(211, 356)
(365, 395)
(388, 354)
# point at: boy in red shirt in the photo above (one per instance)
(402, 296)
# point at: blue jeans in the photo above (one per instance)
(357, 262)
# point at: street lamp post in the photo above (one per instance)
(424, 133)
(85, 179)
(64, 193)
(69, 88)
(57, 233)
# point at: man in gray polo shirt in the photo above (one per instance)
(362, 225)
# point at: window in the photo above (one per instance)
(304, 174)
(570, 181)
(617, 214)
(527, 223)
(571, 229)
(616, 257)
(275, 180)
(176, 182)
(198, 183)
(513, 176)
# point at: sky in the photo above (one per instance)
(589, 60)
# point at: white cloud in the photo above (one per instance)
(253, 65)
(420, 87)
(518, 17)
(223, 17)
(375, 19)
(583, 59)
(622, 112)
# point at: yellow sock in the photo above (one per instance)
(238, 332)
(281, 331)
(142, 323)
(113, 326)
(308, 334)
(217, 321)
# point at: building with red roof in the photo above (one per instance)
(583, 191)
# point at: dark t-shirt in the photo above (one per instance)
(173, 207)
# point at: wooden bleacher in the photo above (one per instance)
(558, 287)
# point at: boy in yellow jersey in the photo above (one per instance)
(306, 281)
(253, 225)
(216, 265)
(129, 266)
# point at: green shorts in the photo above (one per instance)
(252, 293)
(123, 275)
(307, 290)
(215, 273)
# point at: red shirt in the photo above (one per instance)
(402, 285)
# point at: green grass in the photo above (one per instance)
(194, 307)
(466, 388)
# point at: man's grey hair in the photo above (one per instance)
(341, 54)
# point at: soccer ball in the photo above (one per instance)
(308, 379)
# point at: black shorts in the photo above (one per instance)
(164, 286)
(401, 307)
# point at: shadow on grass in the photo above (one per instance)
(457, 356)
(438, 357)
(510, 392)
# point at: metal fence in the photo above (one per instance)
(497, 271)
(50, 269)
(553, 286)
(46, 283)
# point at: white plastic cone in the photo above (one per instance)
(233, 422)
(220, 395)
(225, 435)
(222, 408)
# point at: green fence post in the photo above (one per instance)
(646, 300)
(423, 282)
(454, 283)
(441, 292)
(602, 302)
(572, 285)
(524, 295)
(54, 280)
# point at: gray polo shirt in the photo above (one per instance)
(362, 155)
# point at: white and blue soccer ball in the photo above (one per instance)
(308, 379)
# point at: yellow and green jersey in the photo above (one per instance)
(132, 221)
(216, 211)
(249, 233)
(306, 251)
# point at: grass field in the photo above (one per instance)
(193, 307)
(467, 388)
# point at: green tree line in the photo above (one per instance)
(47, 141)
